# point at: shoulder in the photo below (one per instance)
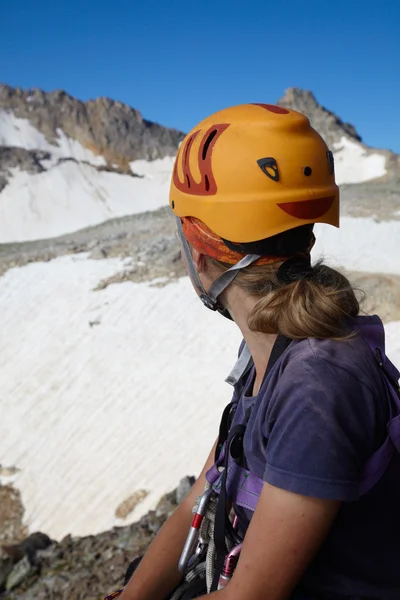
(338, 380)
(325, 410)
(344, 363)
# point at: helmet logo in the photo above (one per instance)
(207, 185)
(269, 167)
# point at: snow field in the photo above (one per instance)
(69, 197)
(360, 244)
(354, 165)
(91, 414)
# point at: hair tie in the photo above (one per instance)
(296, 268)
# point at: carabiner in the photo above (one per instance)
(229, 566)
(193, 535)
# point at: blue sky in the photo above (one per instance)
(177, 61)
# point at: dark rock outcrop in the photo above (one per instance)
(88, 568)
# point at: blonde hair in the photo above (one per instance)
(315, 307)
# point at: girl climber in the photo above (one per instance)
(299, 498)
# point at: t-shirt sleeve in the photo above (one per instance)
(320, 430)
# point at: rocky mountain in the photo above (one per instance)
(106, 127)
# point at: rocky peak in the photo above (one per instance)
(107, 127)
(329, 125)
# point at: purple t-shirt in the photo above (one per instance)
(319, 415)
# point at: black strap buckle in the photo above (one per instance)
(208, 302)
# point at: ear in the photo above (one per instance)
(199, 260)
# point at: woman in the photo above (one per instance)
(248, 185)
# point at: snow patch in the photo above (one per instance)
(69, 148)
(161, 167)
(360, 244)
(22, 134)
(70, 197)
(8, 479)
(354, 165)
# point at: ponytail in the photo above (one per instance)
(317, 306)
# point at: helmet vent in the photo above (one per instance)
(207, 143)
(207, 183)
(269, 167)
(331, 162)
(307, 171)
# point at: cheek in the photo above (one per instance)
(185, 264)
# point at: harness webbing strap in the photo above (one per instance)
(224, 430)
(224, 280)
(373, 334)
(233, 468)
(221, 517)
(279, 347)
(243, 488)
(242, 366)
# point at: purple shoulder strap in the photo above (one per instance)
(371, 330)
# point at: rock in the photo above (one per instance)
(8, 471)
(19, 573)
(130, 503)
(28, 547)
(166, 504)
(169, 502)
(86, 568)
(6, 566)
(12, 528)
(183, 488)
(19, 158)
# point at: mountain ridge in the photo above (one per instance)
(66, 164)
(104, 126)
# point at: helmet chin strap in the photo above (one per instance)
(210, 298)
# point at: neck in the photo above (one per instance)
(259, 344)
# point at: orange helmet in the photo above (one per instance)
(253, 171)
